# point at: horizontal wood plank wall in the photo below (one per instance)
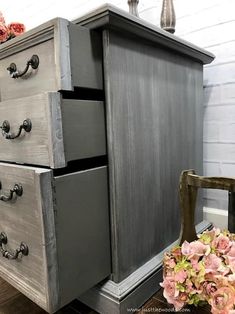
(154, 129)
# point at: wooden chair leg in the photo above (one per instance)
(188, 198)
(231, 212)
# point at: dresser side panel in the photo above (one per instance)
(153, 101)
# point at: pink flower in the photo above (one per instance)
(212, 263)
(180, 276)
(209, 287)
(3, 33)
(2, 20)
(231, 263)
(16, 28)
(231, 252)
(222, 300)
(195, 249)
(222, 244)
(195, 264)
(176, 253)
(169, 261)
(171, 293)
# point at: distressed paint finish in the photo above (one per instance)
(67, 59)
(56, 125)
(154, 130)
(53, 217)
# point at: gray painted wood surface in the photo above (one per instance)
(154, 130)
(21, 220)
(82, 231)
(109, 16)
(67, 55)
(62, 130)
(116, 298)
(83, 128)
(66, 230)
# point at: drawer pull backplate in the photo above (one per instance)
(26, 126)
(23, 249)
(14, 73)
(17, 190)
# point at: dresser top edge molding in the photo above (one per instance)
(37, 35)
(109, 16)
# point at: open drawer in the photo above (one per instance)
(55, 130)
(54, 232)
(57, 55)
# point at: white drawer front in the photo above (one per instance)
(61, 130)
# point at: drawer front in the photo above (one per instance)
(22, 221)
(63, 227)
(35, 80)
(61, 130)
(66, 60)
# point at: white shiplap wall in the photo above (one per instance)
(207, 23)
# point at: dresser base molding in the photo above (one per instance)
(135, 290)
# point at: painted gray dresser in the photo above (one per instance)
(154, 110)
(54, 211)
(102, 127)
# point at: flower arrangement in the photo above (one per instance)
(202, 271)
(9, 31)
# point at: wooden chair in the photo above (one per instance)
(188, 186)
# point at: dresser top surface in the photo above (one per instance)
(109, 16)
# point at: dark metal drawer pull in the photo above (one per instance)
(23, 249)
(17, 189)
(26, 126)
(33, 62)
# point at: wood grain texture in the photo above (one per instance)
(36, 81)
(69, 56)
(43, 145)
(154, 129)
(82, 231)
(109, 16)
(110, 297)
(46, 200)
(86, 57)
(83, 129)
(62, 130)
(21, 221)
(7, 292)
(65, 229)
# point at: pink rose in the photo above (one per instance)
(209, 287)
(176, 253)
(3, 33)
(2, 20)
(212, 263)
(195, 249)
(171, 293)
(231, 252)
(195, 264)
(222, 300)
(181, 276)
(16, 28)
(169, 261)
(231, 263)
(222, 244)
